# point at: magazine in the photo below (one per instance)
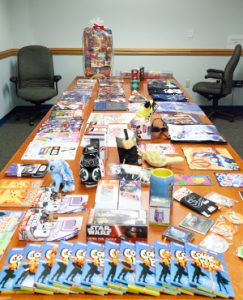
(209, 158)
(194, 133)
(165, 107)
(180, 118)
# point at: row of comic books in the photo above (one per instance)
(70, 268)
(59, 135)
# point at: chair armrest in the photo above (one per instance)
(57, 78)
(14, 79)
(215, 74)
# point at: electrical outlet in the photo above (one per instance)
(188, 83)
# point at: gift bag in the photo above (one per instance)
(97, 47)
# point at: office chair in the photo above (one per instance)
(35, 82)
(221, 87)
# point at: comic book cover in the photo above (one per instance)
(92, 275)
(26, 170)
(9, 221)
(130, 195)
(110, 266)
(208, 158)
(47, 260)
(58, 270)
(178, 269)
(125, 272)
(59, 203)
(181, 118)
(165, 107)
(18, 193)
(145, 269)
(207, 271)
(25, 277)
(39, 225)
(75, 265)
(162, 262)
(10, 269)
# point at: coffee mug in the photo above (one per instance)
(161, 186)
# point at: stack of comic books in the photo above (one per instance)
(116, 268)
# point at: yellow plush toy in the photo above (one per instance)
(155, 159)
(146, 110)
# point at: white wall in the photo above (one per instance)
(135, 24)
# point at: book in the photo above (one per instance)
(110, 118)
(39, 225)
(180, 118)
(18, 193)
(207, 271)
(26, 170)
(130, 195)
(181, 179)
(210, 158)
(92, 275)
(42, 276)
(110, 266)
(59, 203)
(9, 220)
(196, 223)
(25, 277)
(165, 107)
(10, 269)
(75, 265)
(162, 262)
(58, 270)
(169, 97)
(195, 133)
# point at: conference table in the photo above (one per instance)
(178, 212)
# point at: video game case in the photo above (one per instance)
(42, 276)
(207, 271)
(26, 170)
(57, 274)
(25, 277)
(10, 269)
(195, 202)
(130, 195)
(110, 266)
(107, 194)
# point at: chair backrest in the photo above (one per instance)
(35, 66)
(230, 68)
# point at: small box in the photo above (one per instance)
(117, 225)
(159, 211)
(130, 195)
(107, 194)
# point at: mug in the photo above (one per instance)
(161, 187)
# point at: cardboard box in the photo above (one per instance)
(117, 225)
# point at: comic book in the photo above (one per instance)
(58, 270)
(92, 275)
(10, 269)
(162, 262)
(18, 193)
(59, 203)
(125, 272)
(208, 158)
(145, 270)
(165, 107)
(107, 194)
(26, 170)
(178, 269)
(9, 221)
(39, 225)
(110, 266)
(25, 276)
(207, 271)
(181, 118)
(47, 260)
(130, 195)
(75, 266)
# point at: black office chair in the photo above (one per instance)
(35, 82)
(221, 87)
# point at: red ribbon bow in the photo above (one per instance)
(101, 27)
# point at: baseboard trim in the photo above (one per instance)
(21, 108)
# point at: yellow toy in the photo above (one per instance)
(146, 110)
(155, 159)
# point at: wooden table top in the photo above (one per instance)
(234, 264)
